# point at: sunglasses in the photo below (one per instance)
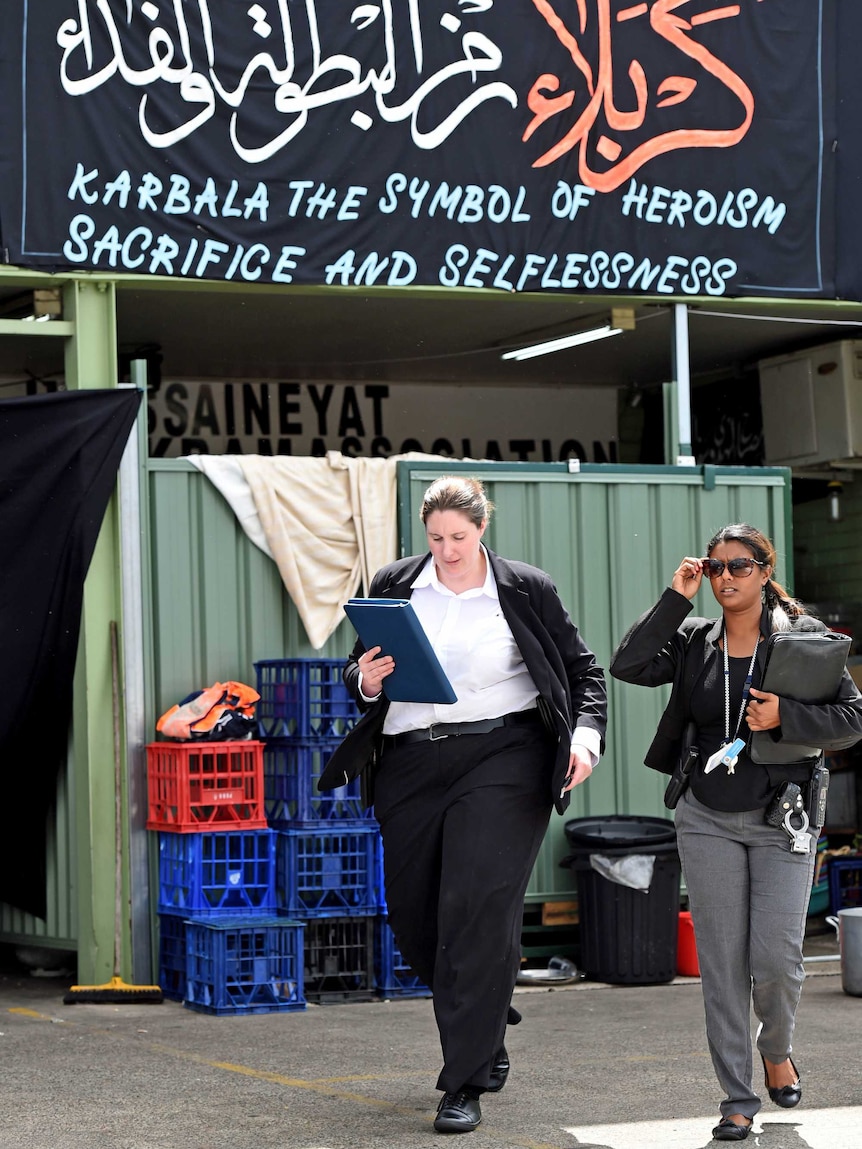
(738, 568)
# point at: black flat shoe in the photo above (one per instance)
(727, 1130)
(499, 1071)
(457, 1113)
(787, 1096)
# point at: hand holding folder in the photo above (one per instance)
(391, 624)
(804, 666)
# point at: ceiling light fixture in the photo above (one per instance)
(551, 345)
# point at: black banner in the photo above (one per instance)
(663, 147)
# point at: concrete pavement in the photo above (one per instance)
(604, 1067)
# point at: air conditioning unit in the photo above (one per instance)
(812, 405)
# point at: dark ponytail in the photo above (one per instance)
(783, 610)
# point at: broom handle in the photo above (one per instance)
(118, 802)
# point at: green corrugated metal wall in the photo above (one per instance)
(610, 537)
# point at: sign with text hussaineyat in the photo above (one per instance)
(663, 147)
(288, 417)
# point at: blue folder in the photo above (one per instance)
(391, 624)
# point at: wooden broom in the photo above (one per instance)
(115, 991)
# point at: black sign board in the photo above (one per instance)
(662, 147)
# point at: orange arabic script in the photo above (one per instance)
(627, 139)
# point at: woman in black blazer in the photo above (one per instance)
(748, 883)
(463, 793)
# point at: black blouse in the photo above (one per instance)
(749, 786)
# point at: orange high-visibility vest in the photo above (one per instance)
(197, 715)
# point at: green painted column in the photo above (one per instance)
(91, 362)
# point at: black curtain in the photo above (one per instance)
(59, 456)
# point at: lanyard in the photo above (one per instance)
(745, 690)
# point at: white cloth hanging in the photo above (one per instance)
(329, 523)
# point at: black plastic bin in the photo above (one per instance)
(628, 936)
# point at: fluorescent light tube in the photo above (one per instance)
(551, 345)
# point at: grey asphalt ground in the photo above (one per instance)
(361, 1076)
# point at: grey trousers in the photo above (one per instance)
(748, 896)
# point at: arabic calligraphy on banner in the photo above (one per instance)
(663, 146)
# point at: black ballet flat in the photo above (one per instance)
(787, 1096)
(727, 1130)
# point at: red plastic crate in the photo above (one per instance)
(195, 786)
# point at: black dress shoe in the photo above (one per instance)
(727, 1130)
(787, 1096)
(499, 1071)
(457, 1113)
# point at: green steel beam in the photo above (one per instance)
(90, 363)
(140, 693)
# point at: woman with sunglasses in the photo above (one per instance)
(748, 892)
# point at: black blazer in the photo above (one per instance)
(571, 685)
(665, 645)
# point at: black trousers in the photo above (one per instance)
(462, 821)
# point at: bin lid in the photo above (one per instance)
(619, 830)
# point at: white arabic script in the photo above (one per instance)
(273, 63)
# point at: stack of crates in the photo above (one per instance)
(222, 947)
(328, 851)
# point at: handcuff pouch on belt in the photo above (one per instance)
(792, 811)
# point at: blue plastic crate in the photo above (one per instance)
(392, 976)
(328, 872)
(218, 872)
(845, 883)
(172, 956)
(303, 698)
(339, 960)
(244, 965)
(291, 769)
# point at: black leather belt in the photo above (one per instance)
(442, 730)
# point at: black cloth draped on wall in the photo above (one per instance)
(59, 456)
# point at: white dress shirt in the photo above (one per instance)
(478, 652)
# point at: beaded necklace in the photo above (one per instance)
(745, 691)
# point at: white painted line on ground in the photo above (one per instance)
(839, 1128)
